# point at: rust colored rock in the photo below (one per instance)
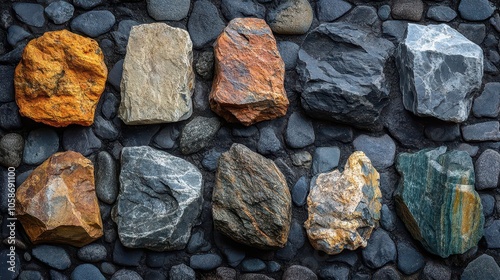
(60, 79)
(249, 74)
(57, 203)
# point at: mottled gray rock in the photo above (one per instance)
(242, 8)
(31, 14)
(198, 133)
(380, 150)
(387, 273)
(15, 34)
(205, 23)
(475, 10)
(302, 159)
(87, 4)
(126, 274)
(205, 262)
(11, 150)
(86, 271)
(59, 12)
(483, 267)
(334, 271)
(298, 272)
(106, 178)
(409, 259)
(407, 9)
(476, 32)
(168, 9)
(93, 23)
(225, 273)
(6, 83)
(204, 66)
(380, 250)
(94, 252)
(325, 159)
(441, 13)
(290, 17)
(55, 257)
(435, 271)
(485, 131)
(487, 168)
(160, 199)
(268, 141)
(40, 145)
(299, 131)
(488, 103)
(330, 10)
(440, 70)
(182, 272)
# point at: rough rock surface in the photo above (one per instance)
(483, 267)
(57, 202)
(440, 71)
(291, 17)
(341, 68)
(249, 83)
(60, 79)
(437, 202)
(197, 134)
(159, 201)
(158, 78)
(251, 200)
(344, 208)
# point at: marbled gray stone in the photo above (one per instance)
(488, 103)
(93, 23)
(484, 131)
(168, 9)
(60, 11)
(380, 150)
(198, 133)
(40, 145)
(106, 178)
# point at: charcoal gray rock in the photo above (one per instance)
(106, 178)
(387, 273)
(172, 188)
(110, 105)
(204, 66)
(476, 32)
(384, 12)
(330, 10)
(105, 129)
(380, 250)
(394, 29)
(409, 259)
(87, 4)
(173, 10)
(40, 144)
(407, 9)
(325, 159)
(441, 13)
(488, 202)
(93, 23)
(166, 138)
(300, 191)
(487, 168)
(121, 36)
(334, 271)
(242, 8)
(298, 272)
(435, 271)
(126, 256)
(299, 131)
(205, 261)
(252, 265)
(488, 103)
(198, 243)
(289, 52)
(335, 53)
(380, 150)
(484, 131)
(492, 235)
(94, 252)
(182, 272)
(327, 132)
(53, 256)
(6, 83)
(31, 14)
(126, 274)
(86, 271)
(115, 74)
(9, 116)
(81, 139)
(268, 141)
(198, 133)
(475, 10)
(442, 132)
(483, 267)
(30, 275)
(11, 150)
(210, 160)
(205, 23)
(387, 218)
(60, 11)
(15, 34)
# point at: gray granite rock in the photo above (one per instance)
(299, 131)
(475, 10)
(488, 103)
(94, 252)
(168, 9)
(126, 274)
(59, 11)
(484, 131)
(380, 150)
(325, 159)
(476, 32)
(182, 272)
(298, 272)
(55, 257)
(11, 150)
(487, 168)
(380, 250)
(93, 23)
(106, 178)
(160, 199)
(205, 23)
(483, 267)
(204, 66)
(242, 8)
(31, 14)
(198, 133)
(441, 13)
(440, 71)
(40, 145)
(86, 271)
(330, 10)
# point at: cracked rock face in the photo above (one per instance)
(439, 70)
(160, 199)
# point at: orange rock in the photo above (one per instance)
(57, 203)
(60, 79)
(249, 74)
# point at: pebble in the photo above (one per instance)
(108, 268)
(302, 159)
(268, 142)
(126, 274)
(334, 271)
(205, 23)
(387, 273)
(55, 257)
(330, 10)
(492, 235)
(93, 23)
(380, 150)
(59, 12)
(290, 17)
(326, 132)
(483, 267)
(475, 10)
(387, 218)
(167, 137)
(384, 12)
(182, 272)
(441, 13)
(155, 275)
(80, 139)
(442, 132)
(487, 168)
(110, 105)
(205, 262)
(197, 243)
(488, 103)
(86, 272)
(105, 129)
(409, 259)
(15, 34)
(485, 131)
(56, 275)
(299, 131)
(225, 273)
(488, 202)
(289, 52)
(254, 276)
(125, 256)
(435, 271)
(6, 83)
(325, 159)
(476, 32)
(211, 159)
(348, 257)
(173, 10)
(30, 275)
(138, 135)
(408, 9)
(242, 8)
(204, 66)
(495, 22)
(471, 150)
(245, 132)
(9, 116)
(87, 4)
(40, 145)
(31, 14)
(198, 134)
(273, 266)
(115, 75)
(252, 265)
(92, 253)
(298, 272)
(300, 191)
(121, 36)
(11, 150)
(380, 250)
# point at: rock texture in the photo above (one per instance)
(344, 208)
(249, 74)
(60, 79)
(160, 199)
(440, 71)
(158, 78)
(437, 201)
(341, 68)
(251, 200)
(57, 202)
(291, 17)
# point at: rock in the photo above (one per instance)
(115, 76)
(87, 4)
(126, 256)
(384, 12)
(442, 132)
(289, 52)
(40, 145)
(471, 150)
(334, 271)
(225, 273)
(387, 218)
(259, 93)
(300, 191)
(476, 32)
(205, 65)
(6, 83)
(344, 208)
(86, 271)
(93, 23)
(55, 257)
(491, 234)
(435, 271)
(299, 131)
(475, 10)
(380, 150)
(253, 265)
(106, 178)
(484, 131)
(197, 243)
(205, 23)
(387, 273)
(487, 169)
(16, 34)
(167, 52)
(92, 253)
(9, 116)
(232, 9)
(126, 274)
(54, 89)
(57, 202)
(251, 202)
(138, 135)
(441, 13)
(30, 275)
(173, 188)
(438, 79)
(105, 129)
(290, 17)
(408, 9)
(168, 9)
(380, 250)
(394, 29)
(268, 141)
(121, 36)
(198, 133)
(167, 137)
(11, 150)
(80, 139)
(483, 267)
(488, 103)
(254, 276)
(302, 159)
(325, 159)
(298, 272)
(205, 262)
(330, 10)
(108, 268)
(59, 12)
(432, 181)
(326, 132)
(333, 53)
(31, 14)
(210, 160)
(488, 202)
(182, 272)
(409, 259)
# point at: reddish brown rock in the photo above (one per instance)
(60, 79)
(249, 74)
(57, 202)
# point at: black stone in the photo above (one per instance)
(81, 139)
(268, 141)
(139, 135)
(121, 36)
(334, 271)
(205, 262)
(40, 145)
(380, 250)
(125, 256)
(9, 116)
(105, 129)
(299, 131)
(115, 74)
(167, 137)
(475, 32)
(6, 83)
(242, 8)
(205, 23)
(387, 273)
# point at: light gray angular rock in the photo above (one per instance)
(160, 199)
(440, 70)
(485, 131)
(168, 9)
(158, 77)
(197, 134)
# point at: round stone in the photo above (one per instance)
(92, 253)
(291, 17)
(93, 23)
(60, 11)
(40, 145)
(85, 272)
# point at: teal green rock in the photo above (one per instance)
(437, 201)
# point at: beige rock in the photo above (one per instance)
(291, 17)
(158, 78)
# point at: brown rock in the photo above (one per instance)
(60, 79)
(57, 202)
(249, 74)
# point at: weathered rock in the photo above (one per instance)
(197, 134)
(344, 208)
(488, 103)
(251, 200)
(60, 79)
(162, 93)
(484, 131)
(483, 267)
(57, 202)
(11, 150)
(440, 70)
(408, 9)
(291, 17)
(249, 83)
(160, 199)
(487, 170)
(334, 53)
(437, 202)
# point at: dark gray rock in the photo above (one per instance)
(94, 252)
(59, 11)
(93, 23)
(81, 139)
(289, 52)
(364, 17)
(198, 133)
(302, 159)
(172, 188)
(348, 257)
(205, 262)
(407, 9)
(211, 159)
(138, 135)
(296, 240)
(125, 256)
(435, 271)
(485, 131)
(232, 251)
(126, 274)
(30, 275)
(476, 32)
(225, 273)
(245, 132)
(483, 267)
(471, 150)
(380, 250)
(204, 66)
(387, 218)
(110, 105)
(31, 14)
(40, 145)
(333, 53)
(254, 276)
(106, 178)
(105, 129)
(155, 275)
(300, 191)
(9, 116)
(273, 266)
(108, 268)
(330, 10)
(85, 272)
(121, 36)
(487, 168)
(115, 74)
(394, 29)
(15, 34)
(442, 132)
(409, 259)
(488, 103)
(334, 271)
(384, 12)
(6, 83)
(488, 202)
(87, 4)
(197, 243)
(11, 150)
(298, 272)
(55, 257)
(387, 273)
(325, 159)
(475, 10)
(441, 13)
(253, 265)
(174, 10)
(167, 137)
(205, 23)
(268, 141)
(299, 131)
(327, 132)
(182, 272)
(13, 56)
(242, 8)
(380, 150)
(492, 235)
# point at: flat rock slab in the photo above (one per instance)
(158, 78)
